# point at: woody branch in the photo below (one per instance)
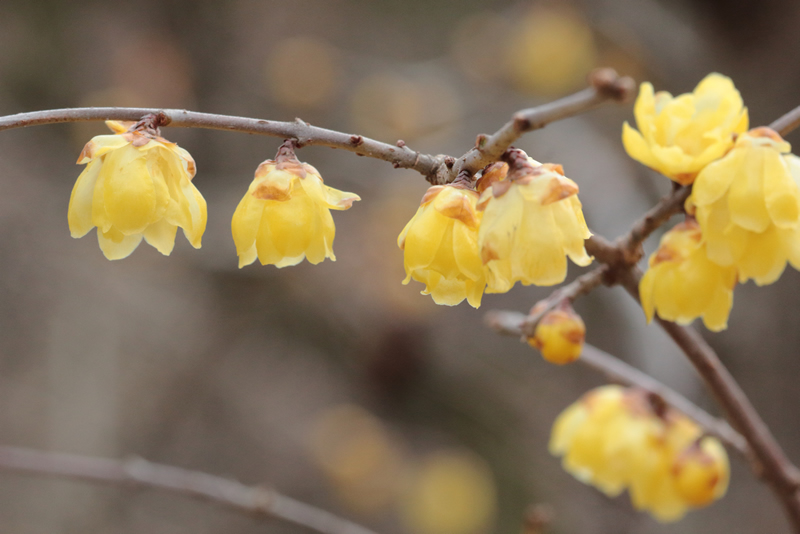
(257, 501)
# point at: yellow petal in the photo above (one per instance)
(161, 236)
(116, 245)
(746, 194)
(79, 213)
(780, 191)
(129, 193)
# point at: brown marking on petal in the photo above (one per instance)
(558, 189)
(190, 167)
(495, 172)
(269, 190)
(430, 194)
(765, 131)
(501, 188)
(549, 167)
(461, 209)
(402, 242)
(88, 151)
(576, 335)
(488, 253)
(685, 178)
(139, 140)
(293, 167)
(663, 254)
(264, 168)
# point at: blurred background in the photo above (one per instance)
(334, 383)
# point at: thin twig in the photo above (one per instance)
(582, 285)
(606, 86)
(398, 155)
(139, 473)
(514, 324)
(788, 122)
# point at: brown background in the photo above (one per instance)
(189, 360)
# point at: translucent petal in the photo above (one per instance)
(780, 191)
(161, 235)
(538, 256)
(116, 245)
(746, 194)
(79, 213)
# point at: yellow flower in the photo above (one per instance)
(748, 204)
(136, 184)
(285, 215)
(560, 335)
(682, 284)
(440, 246)
(616, 438)
(532, 220)
(681, 135)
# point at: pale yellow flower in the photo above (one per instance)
(440, 246)
(682, 284)
(285, 215)
(532, 221)
(560, 335)
(678, 136)
(136, 185)
(748, 204)
(616, 438)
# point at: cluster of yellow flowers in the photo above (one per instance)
(518, 224)
(138, 185)
(743, 215)
(616, 438)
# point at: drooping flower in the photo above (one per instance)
(136, 185)
(440, 245)
(682, 284)
(616, 438)
(532, 221)
(559, 335)
(678, 136)
(285, 215)
(748, 205)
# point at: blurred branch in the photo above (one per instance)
(139, 473)
(398, 155)
(512, 323)
(606, 86)
(788, 122)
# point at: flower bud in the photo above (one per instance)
(702, 472)
(559, 336)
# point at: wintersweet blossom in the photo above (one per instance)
(285, 215)
(748, 205)
(559, 336)
(532, 221)
(678, 136)
(440, 245)
(616, 438)
(136, 185)
(683, 284)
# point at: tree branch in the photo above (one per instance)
(139, 473)
(788, 122)
(617, 371)
(606, 85)
(400, 155)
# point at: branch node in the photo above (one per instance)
(607, 82)
(401, 143)
(522, 123)
(449, 161)
(480, 141)
(356, 140)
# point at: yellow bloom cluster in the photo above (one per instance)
(616, 438)
(136, 185)
(683, 284)
(560, 334)
(285, 215)
(678, 136)
(525, 223)
(748, 204)
(745, 198)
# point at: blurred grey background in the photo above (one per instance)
(334, 383)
